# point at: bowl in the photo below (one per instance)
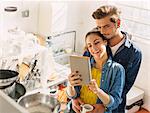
(40, 103)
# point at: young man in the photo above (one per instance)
(123, 50)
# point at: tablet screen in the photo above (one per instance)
(81, 64)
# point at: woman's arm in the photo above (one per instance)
(71, 91)
(113, 98)
(116, 86)
(74, 79)
(104, 97)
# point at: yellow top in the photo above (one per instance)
(86, 95)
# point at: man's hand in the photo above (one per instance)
(76, 105)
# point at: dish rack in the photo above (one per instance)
(63, 44)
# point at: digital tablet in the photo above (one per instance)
(81, 64)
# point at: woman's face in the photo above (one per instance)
(96, 45)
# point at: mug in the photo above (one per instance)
(53, 90)
(86, 108)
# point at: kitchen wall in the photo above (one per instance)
(144, 75)
(80, 19)
(44, 18)
(10, 20)
(39, 20)
(0, 21)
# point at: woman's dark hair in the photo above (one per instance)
(97, 32)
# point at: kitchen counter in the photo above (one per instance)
(7, 105)
(59, 77)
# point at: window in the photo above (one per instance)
(135, 18)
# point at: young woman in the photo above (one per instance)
(107, 82)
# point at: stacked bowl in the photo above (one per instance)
(9, 85)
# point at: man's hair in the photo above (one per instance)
(107, 10)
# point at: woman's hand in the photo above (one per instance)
(102, 95)
(74, 79)
(93, 86)
(76, 105)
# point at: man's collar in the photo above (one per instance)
(127, 39)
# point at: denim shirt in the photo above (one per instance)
(129, 56)
(112, 82)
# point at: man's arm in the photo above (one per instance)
(132, 70)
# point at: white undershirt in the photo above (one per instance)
(116, 47)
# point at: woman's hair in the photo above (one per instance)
(107, 10)
(96, 32)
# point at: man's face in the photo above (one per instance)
(106, 27)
